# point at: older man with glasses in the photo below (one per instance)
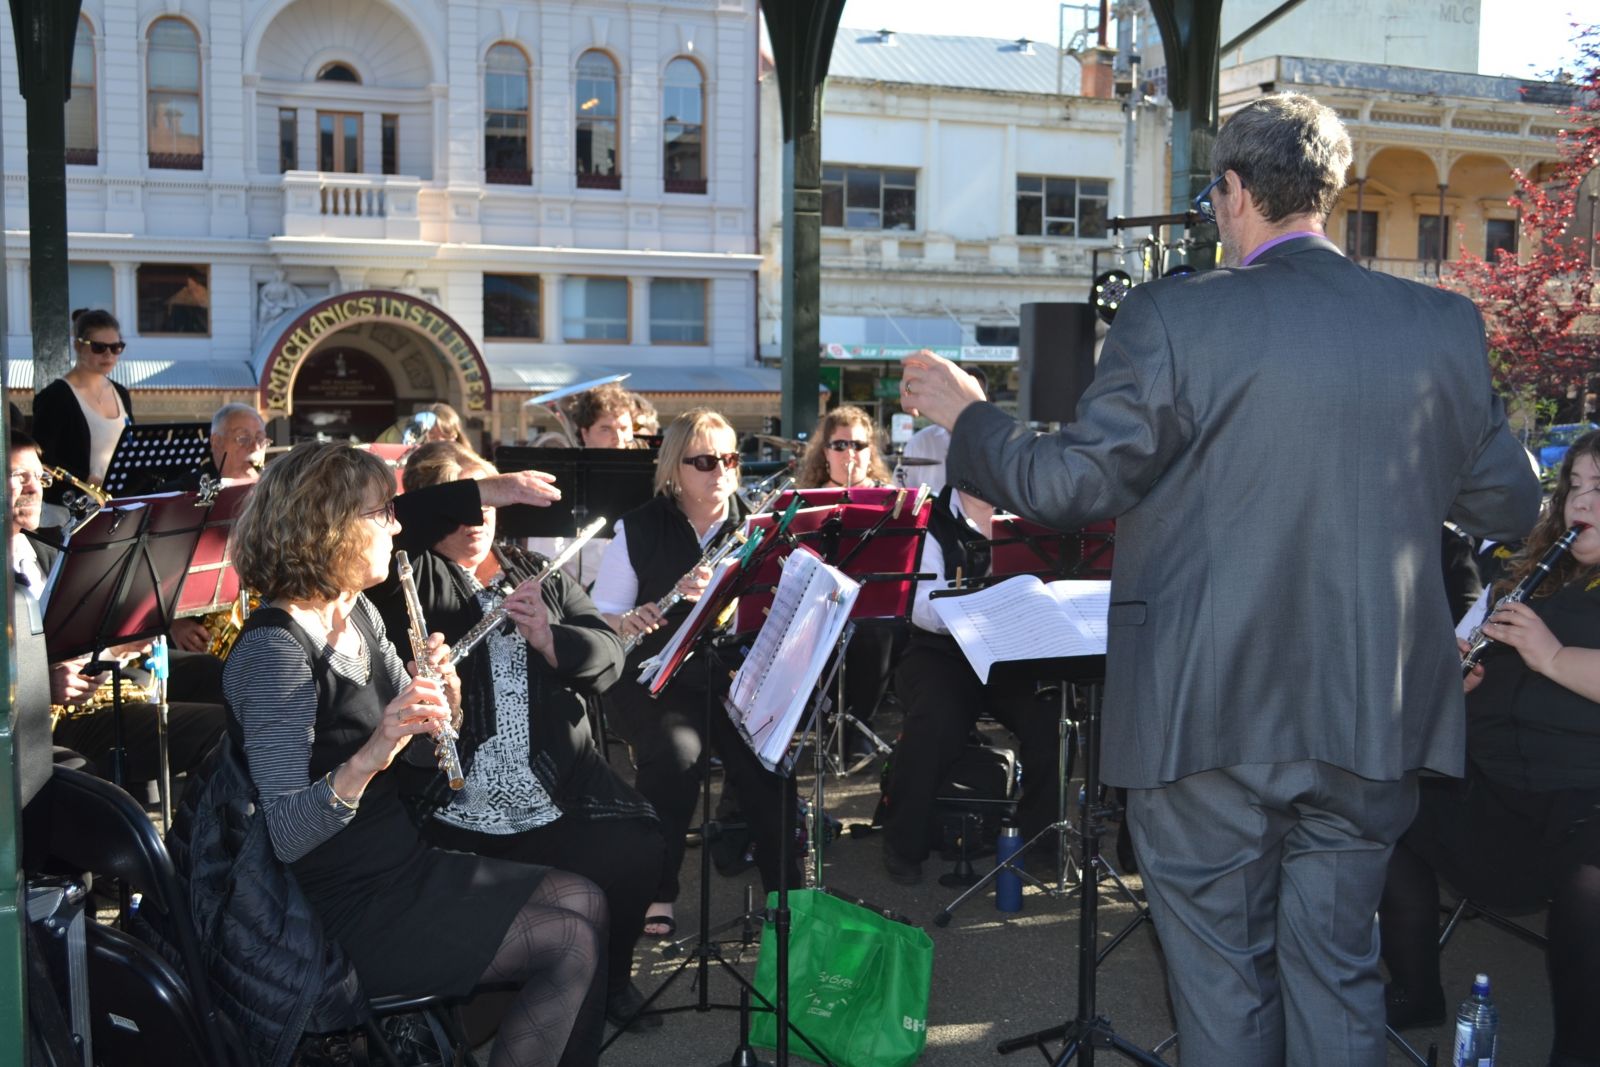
(1279, 442)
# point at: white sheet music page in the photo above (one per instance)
(1021, 618)
(773, 685)
(650, 669)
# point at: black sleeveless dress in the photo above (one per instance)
(412, 918)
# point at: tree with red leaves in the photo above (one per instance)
(1543, 330)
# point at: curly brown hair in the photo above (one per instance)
(609, 399)
(1548, 530)
(442, 461)
(300, 536)
(814, 464)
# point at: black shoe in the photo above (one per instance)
(1406, 1012)
(901, 872)
(623, 1005)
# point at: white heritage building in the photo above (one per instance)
(345, 209)
(962, 177)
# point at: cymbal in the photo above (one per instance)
(781, 442)
(915, 461)
(573, 390)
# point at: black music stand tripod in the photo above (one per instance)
(1088, 1030)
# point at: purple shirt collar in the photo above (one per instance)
(1276, 241)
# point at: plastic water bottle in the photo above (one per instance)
(1477, 1027)
(1008, 883)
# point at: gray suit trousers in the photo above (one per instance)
(1263, 880)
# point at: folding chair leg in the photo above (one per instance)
(379, 1044)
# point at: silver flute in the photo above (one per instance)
(713, 555)
(495, 614)
(1478, 642)
(444, 742)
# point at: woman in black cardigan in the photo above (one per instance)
(538, 789)
(78, 417)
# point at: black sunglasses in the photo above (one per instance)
(708, 462)
(100, 348)
(843, 445)
(1202, 203)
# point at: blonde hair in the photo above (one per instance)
(300, 536)
(442, 461)
(675, 444)
(814, 464)
(449, 422)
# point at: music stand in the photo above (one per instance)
(593, 481)
(152, 454)
(117, 580)
(717, 598)
(212, 584)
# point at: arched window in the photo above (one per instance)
(339, 72)
(683, 127)
(175, 135)
(83, 127)
(506, 157)
(599, 155)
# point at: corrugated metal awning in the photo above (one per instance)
(156, 374)
(541, 377)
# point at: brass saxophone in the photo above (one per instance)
(83, 505)
(225, 625)
(102, 698)
(444, 742)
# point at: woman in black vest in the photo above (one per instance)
(656, 549)
(78, 418)
(538, 790)
(1523, 827)
(323, 706)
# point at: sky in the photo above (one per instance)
(1519, 38)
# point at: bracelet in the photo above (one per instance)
(338, 801)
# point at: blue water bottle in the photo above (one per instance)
(1008, 883)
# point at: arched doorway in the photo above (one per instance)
(353, 364)
(342, 392)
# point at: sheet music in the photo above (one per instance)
(773, 685)
(1022, 618)
(650, 673)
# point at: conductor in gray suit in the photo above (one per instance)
(1279, 441)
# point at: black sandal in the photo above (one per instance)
(661, 920)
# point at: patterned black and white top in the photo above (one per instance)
(270, 688)
(502, 795)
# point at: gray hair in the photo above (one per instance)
(1290, 151)
(228, 411)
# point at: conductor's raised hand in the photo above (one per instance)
(936, 388)
(518, 487)
(421, 707)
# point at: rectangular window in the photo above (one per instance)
(174, 298)
(288, 139)
(1061, 207)
(869, 198)
(1432, 238)
(594, 309)
(511, 307)
(678, 311)
(391, 144)
(83, 137)
(1361, 234)
(1497, 234)
(338, 142)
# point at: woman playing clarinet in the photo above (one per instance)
(657, 549)
(1523, 827)
(325, 707)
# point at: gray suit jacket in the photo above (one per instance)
(1279, 445)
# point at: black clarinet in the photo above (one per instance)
(1478, 642)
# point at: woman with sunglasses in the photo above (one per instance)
(656, 549)
(843, 453)
(78, 418)
(323, 708)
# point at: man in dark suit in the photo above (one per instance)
(1279, 441)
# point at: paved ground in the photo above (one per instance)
(997, 975)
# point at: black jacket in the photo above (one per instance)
(63, 432)
(273, 973)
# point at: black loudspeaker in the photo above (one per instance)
(1056, 360)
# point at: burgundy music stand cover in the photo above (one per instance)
(212, 582)
(1022, 546)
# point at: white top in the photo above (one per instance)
(581, 568)
(930, 442)
(616, 587)
(26, 561)
(103, 432)
(922, 614)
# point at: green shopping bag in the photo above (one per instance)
(858, 983)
